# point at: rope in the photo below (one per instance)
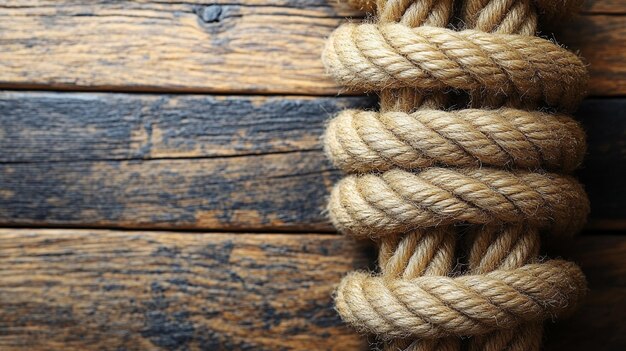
(422, 171)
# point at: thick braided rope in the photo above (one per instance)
(504, 247)
(383, 56)
(393, 205)
(397, 201)
(550, 7)
(509, 246)
(417, 252)
(412, 255)
(434, 307)
(365, 141)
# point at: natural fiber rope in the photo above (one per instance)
(435, 306)
(382, 56)
(432, 252)
(365, 141)
(414, 212)
(395, 201)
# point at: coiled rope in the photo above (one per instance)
(421, 172)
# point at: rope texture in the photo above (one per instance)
(422, 171)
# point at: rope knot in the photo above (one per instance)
(423, 171)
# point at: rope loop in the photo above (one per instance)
(396, 201)
(427, 166)
(367, 141)
(435, 307)
(385, 56)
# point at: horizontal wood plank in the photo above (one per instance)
(46, 127)
(252, 46)
(99, 290)
(602, 258)
(605, 6)
(268, 192)
(206, 162)
(600, 41)
(109, 290)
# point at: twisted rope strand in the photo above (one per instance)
(511, 246)
(548, 7)
(392, 55)
(366, 141)
(412, 207)
(416, 253)
(434, 307)
(507, 247)
(396, 201)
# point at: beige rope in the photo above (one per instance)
(549, 7)
(422, 171)
(416, 253)
(396, 201)
(435, 306)
(365, 141)
(510, 246)
(382, 56)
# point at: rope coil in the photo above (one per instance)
(422, 172)
(385, 56)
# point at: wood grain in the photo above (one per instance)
(165, 161)
(605, 6)
(251, 46)
(109, 290)
(207, 162)
(601, 41)
(101, 290)
(593, 326)
(47, 127)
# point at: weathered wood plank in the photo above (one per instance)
(107, 290)
(99, 290)
(45, 127)
(254, 46)
(605, 6)
(601, 41)
(280, 191)
(602, 258)
(236, 46)
(261, 168)
(205, 162)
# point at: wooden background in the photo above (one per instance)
(162, 182)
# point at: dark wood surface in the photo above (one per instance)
(201, 121)
(252, 163)
(114, 290)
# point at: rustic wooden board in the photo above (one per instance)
(254, 46)
(165, 161)
(601, 41)
(46, 127)
(100, 290)
(107, 290)
(594, 326)
(605, 6)
(206, 162)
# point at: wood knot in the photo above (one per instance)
(210, 13)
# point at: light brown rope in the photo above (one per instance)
(436, 306)
(365, 141)
(396, 201)
(423, 170)
(416, 253)
(382, 56)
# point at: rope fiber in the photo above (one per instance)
(472, 141)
